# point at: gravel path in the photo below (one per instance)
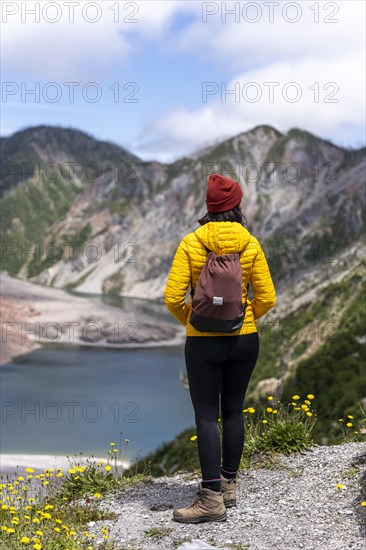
(295, 506)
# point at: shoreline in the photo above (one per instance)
(176, 341)
(34, 315)
(11, 463)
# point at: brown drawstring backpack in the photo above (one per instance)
(217, 299)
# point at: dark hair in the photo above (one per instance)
(234, 215)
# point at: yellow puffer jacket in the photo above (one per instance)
(221, 238)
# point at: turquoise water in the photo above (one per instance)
(63, 401)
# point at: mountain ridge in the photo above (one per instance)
(299, 191)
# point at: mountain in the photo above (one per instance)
(110, 223)
(304, 201)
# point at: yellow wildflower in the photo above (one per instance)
(295, 397)
(25, 540)
(270, 397)
(340, 486)
(107, 468)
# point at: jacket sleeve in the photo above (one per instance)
(177, 285)
(262, 285)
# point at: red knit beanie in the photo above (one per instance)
(223, 194)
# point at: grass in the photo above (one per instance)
(173, 456)
(310, 340)
(74, 284)
(351, 473)
(276, 429)
(158, 532)
(238, 545)
(296, 473)
(338, 366)
(178, 542)
(67, 246)
(272, 429)
(114, 283)
(51, 510)
(53, 200)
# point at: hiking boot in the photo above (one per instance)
(228, 488)
(208, 506)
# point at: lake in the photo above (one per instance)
(63, 401)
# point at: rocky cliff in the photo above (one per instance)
(101, 220)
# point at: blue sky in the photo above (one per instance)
(315, 62)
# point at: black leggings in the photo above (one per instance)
(220, 364)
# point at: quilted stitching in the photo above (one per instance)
(190, 256)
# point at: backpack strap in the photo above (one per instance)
(208, 251)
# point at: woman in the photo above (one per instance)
(219, 363)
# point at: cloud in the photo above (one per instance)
(330, 104)
(322, 29)
(231, 53)
(312, 54)
(73, 47)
